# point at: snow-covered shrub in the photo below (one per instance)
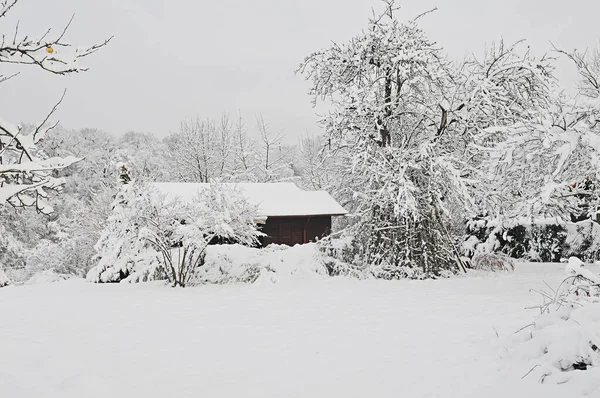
(181, 231)
(340, 256)
(154, 236)
(546, 242)
(492, 262)
(120, 254)
(27, 241)
(485, 235)
(12, 259)
(4, 281)
(537, 240)
(583, 240)
(53, 257)
(566, 335)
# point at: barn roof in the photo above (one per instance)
(276, 199)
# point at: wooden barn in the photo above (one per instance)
(286, 214)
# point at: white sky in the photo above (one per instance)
(175, 59)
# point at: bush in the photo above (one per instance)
(541, 240)
(493, 262)
(4, 281)
(583, 241)
(340, 257)
(547, 242)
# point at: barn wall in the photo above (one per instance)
(294, 230)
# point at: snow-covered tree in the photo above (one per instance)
(99, 151)
(204, 150)
(153, 236)
(147, 153)
(245, 158)
(393, 118)
(25, 172)
(313, 163)
(588, 68)
(535, 145)
(273, 155)
(120, 254)
(12, 258)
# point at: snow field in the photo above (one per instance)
(297, 338)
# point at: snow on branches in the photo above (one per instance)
(377, 83)
(49, 52)
(531, 140)
(25, 172)
(588, 68)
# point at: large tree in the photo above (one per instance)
(393, 118)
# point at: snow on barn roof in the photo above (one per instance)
(276, 199)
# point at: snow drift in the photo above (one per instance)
(561, 344)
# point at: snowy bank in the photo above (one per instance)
(275, 263)
(47, 276)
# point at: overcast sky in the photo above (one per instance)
(179, 58)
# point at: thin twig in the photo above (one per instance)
(421, 15)
(525, 327)
(531, 370)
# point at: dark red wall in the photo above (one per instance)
(293, 230)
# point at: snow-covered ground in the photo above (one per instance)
(302, 338)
